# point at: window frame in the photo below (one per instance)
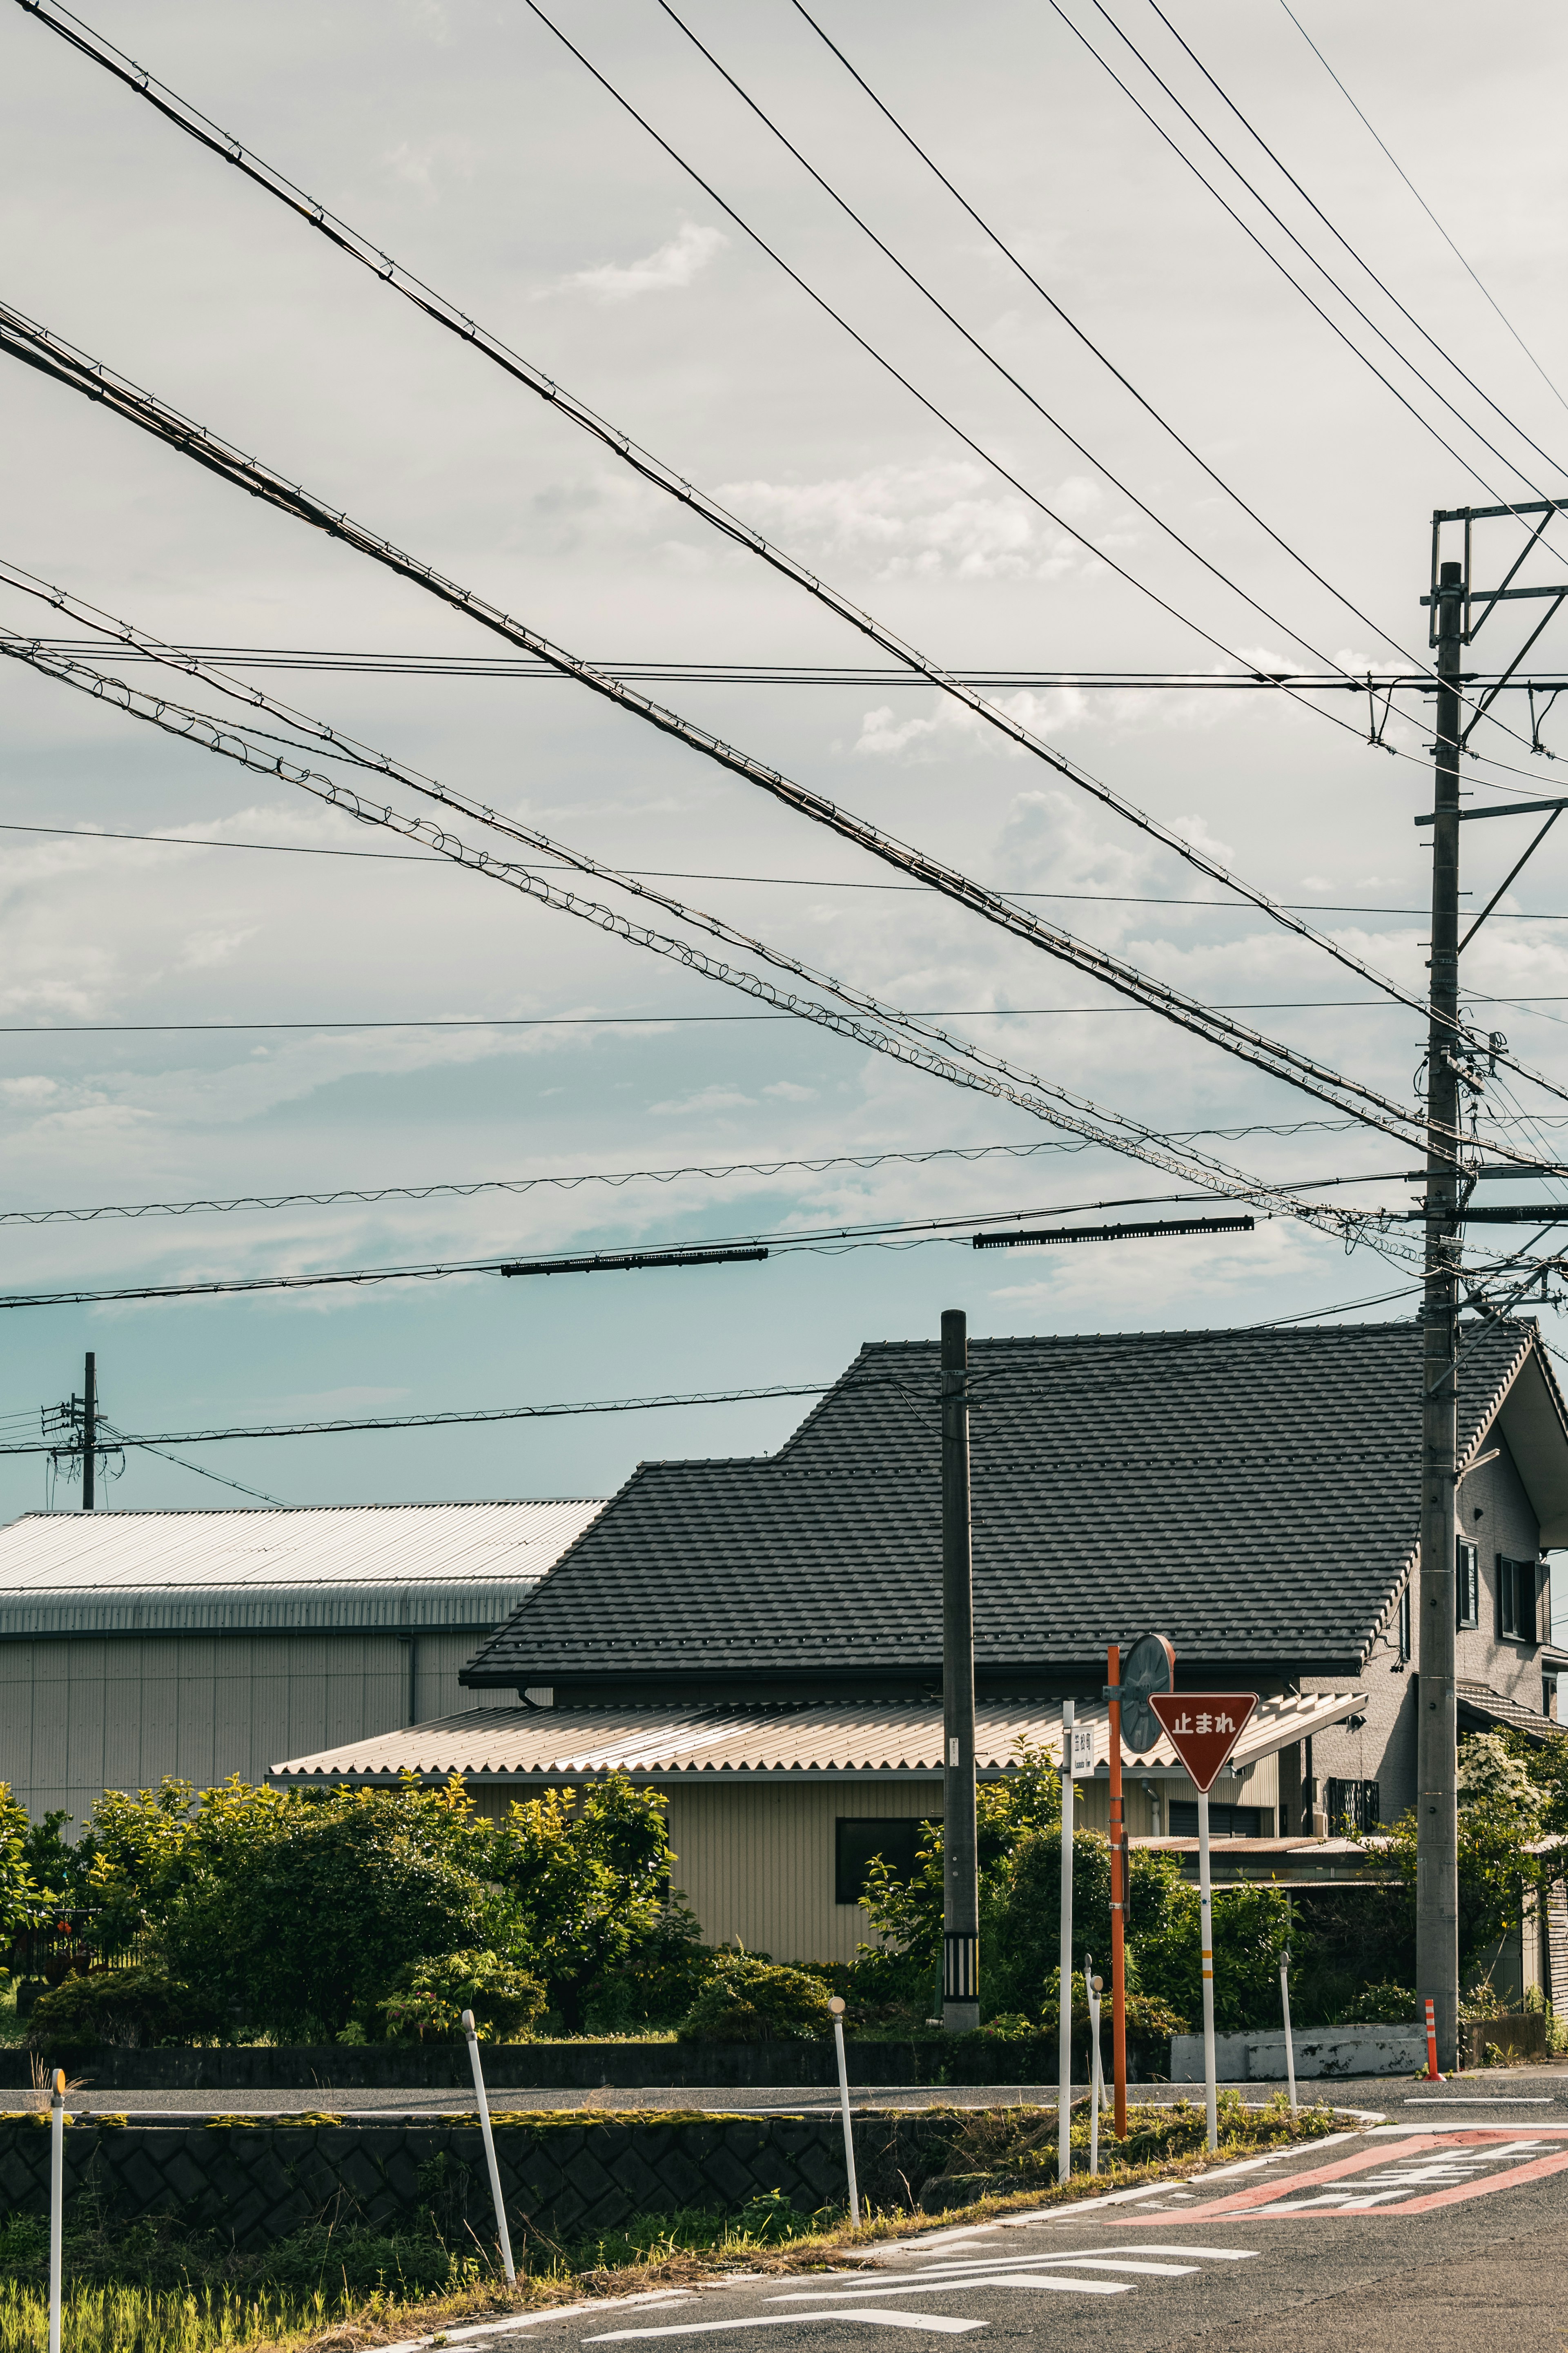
(1364, 1811)
(1467, 1585)
(1518, 1600)
(1403, 1621)
(902, 1826)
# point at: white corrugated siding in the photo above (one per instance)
(78, 1717)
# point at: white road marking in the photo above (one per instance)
(1057, 2283)
(1482, 2100)
(934, 2323)
(1214, 2254)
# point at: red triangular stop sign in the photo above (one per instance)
(1203, 1728)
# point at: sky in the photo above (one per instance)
(221, 1012)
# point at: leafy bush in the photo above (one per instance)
(750, 2000)
(1380, 2005)
(129, 2007)
(432, 1994)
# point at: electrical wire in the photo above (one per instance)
(90, 834)
(329, 1198)
(941, 416)
(145, 1446)
(753, 1248)
(1235, 1037)
(1173, 1342)
(1359, 259)
(1421, 200)
(684, 1020)
(904, 1039)
(435, 307)
(1304, 249)
(983, 352)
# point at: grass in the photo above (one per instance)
(148, 2287)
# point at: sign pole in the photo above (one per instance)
(1064, 2011)
(1203, 1728)
(1205, 1906)
(1118, 1896)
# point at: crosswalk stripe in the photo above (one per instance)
(875, 2315)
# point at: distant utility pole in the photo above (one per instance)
(961, 1886)
(89, 1428)
(1437, 1834)
(1456, 1058)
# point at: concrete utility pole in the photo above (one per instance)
(1436, 1841)
(89, 1430)
(960, 1883)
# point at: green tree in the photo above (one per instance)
(908, 1914)
(588, 1872)
(25, 1897)
(313, 1912)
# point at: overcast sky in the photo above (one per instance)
(466, 141)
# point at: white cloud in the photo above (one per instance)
(787, 1092)
(669, 266)
(717, 1098)
(918, 523)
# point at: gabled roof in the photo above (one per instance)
(1252, 1494)
(357, 1565)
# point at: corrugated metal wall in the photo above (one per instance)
(78, 1717)
(756, 1863)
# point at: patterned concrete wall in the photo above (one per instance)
(255, 2181)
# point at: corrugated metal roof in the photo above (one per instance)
(332, 1565)
(575, 1744)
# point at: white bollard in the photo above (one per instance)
(837, 2006)
(1064, 2011)
(57, 2202)
(480, 2095)
(1290, 2043)
(1206, 1912)
(1096, 2067)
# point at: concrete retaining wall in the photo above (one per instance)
(254, 2182)
(547, 2066)
(1323, 2051)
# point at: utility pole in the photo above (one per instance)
(89, 1428)
(960, 1877)
(1436, 1839)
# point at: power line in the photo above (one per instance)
(830, 1241)
(819, 1166)
(772, 882)
(695, 674)
(866, 1021)
(1340, 238)
(1326, 274)
(1235, 1037)
(686, 1021)
(912, 278)
(1421, 200)
(199, 127)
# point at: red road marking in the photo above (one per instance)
(1266, 2194)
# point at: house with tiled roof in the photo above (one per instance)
(762, 1637)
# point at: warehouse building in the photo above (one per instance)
(136, 1644)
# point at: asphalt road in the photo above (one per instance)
(1428, 2236)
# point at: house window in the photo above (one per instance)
(1404, 1624)
(857, 1841)
(1518, 1600)
(1224, 1821)
(1468, 1582)
(1355, 1804)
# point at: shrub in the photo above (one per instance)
(129, 2007)
(432, 1994)
(749, 2000)
(1380, 2005)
